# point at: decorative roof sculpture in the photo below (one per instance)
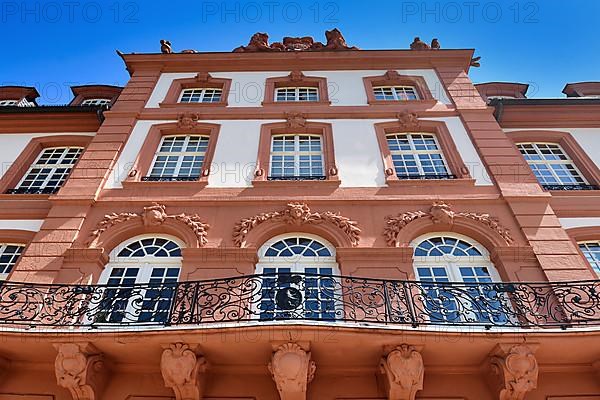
(260, 42)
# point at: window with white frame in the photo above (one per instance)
(417, 156)
(551, 165)
(49, 171)
(442, 259)
(296, 157)
(95, 102)
(298, 278)
(140, 280)
(9, 255)
(591, 251)
(179, 157)
(6, 103)
(297, 94)
(398, 93)
(201, 95)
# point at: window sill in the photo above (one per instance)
(332, 182)
(570, 188)
(297, 103)
(183, 105)
(427, 102)
(395, 182)
(202, 182)
(19, 196)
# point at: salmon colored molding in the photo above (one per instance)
(442, 215)
(579, 156)
(201, 80)
(296, 79)
(35, 146)
(187, 125)
(296, 124)
(409, 123)
(297, 214)
(116, 227)
(393, 78)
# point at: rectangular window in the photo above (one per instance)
(179, 158)
(6, 103)
(49, 171)
(397, 93)
(591, 251)
(297, 94)
(95, 102)
(551, 166)
(417, 156)
(9, 254)
(296, 157)
(201, 95)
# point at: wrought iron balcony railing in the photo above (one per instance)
(287, 297)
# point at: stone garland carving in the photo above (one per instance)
(403, 369)
(296, 214)
(440, 213)
(183, 371)
(153, 215)
(80, 369)
(515, 371)
(292, 370)
(260, 42)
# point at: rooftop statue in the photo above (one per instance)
(260, 42)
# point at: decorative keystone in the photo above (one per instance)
(292, 370)
(403, 369)
(81, 369)
(183, 370)
(513, 371)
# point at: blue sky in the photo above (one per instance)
(55, 44)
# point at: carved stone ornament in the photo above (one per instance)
(81, 369)
(187, 121)
(476, 62)
(183, 370)
(297, 214)
(513, 371)
(403, 369)
(408, 120)
(292, 370)
(165, 46)
(153, 215)
(260, 42)
(440, 213)
(418, 44)
(295, 120)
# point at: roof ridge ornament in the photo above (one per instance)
(259, 42)
(418, 44)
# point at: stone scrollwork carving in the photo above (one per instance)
(440, 213)
(403, 370)
(153, 215)
(81, 369)
(292, 370)
(187, 121)
(297, 214)
(295, 120)
(260, 42)
(513, 370)
(183, 370)
(409, 120)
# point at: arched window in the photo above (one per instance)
(591, 251)
(459, 280)
(140, 280)
(297, 278)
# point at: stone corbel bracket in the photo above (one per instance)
(292, 370)
(403, 372)
(297, 214)
(153, 215)
(440, 213)
(513, 370)
(81, 369)
(184, 369)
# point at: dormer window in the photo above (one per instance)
(398, 93)
(95, 102)
(201, 95)
(297, 94)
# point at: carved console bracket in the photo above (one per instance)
(81, 369)
(183, 370)
(297, 214)
(513, 370)
(440, 213)
(153, 215)
(292, 370)
(403, 372)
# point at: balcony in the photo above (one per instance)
(303, 297)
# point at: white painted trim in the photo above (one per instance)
(32, 225)
(579, 222)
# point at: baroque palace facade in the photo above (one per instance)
(300, 220)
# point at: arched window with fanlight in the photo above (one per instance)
(297, 278)
(140, 280)
(459, 283)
